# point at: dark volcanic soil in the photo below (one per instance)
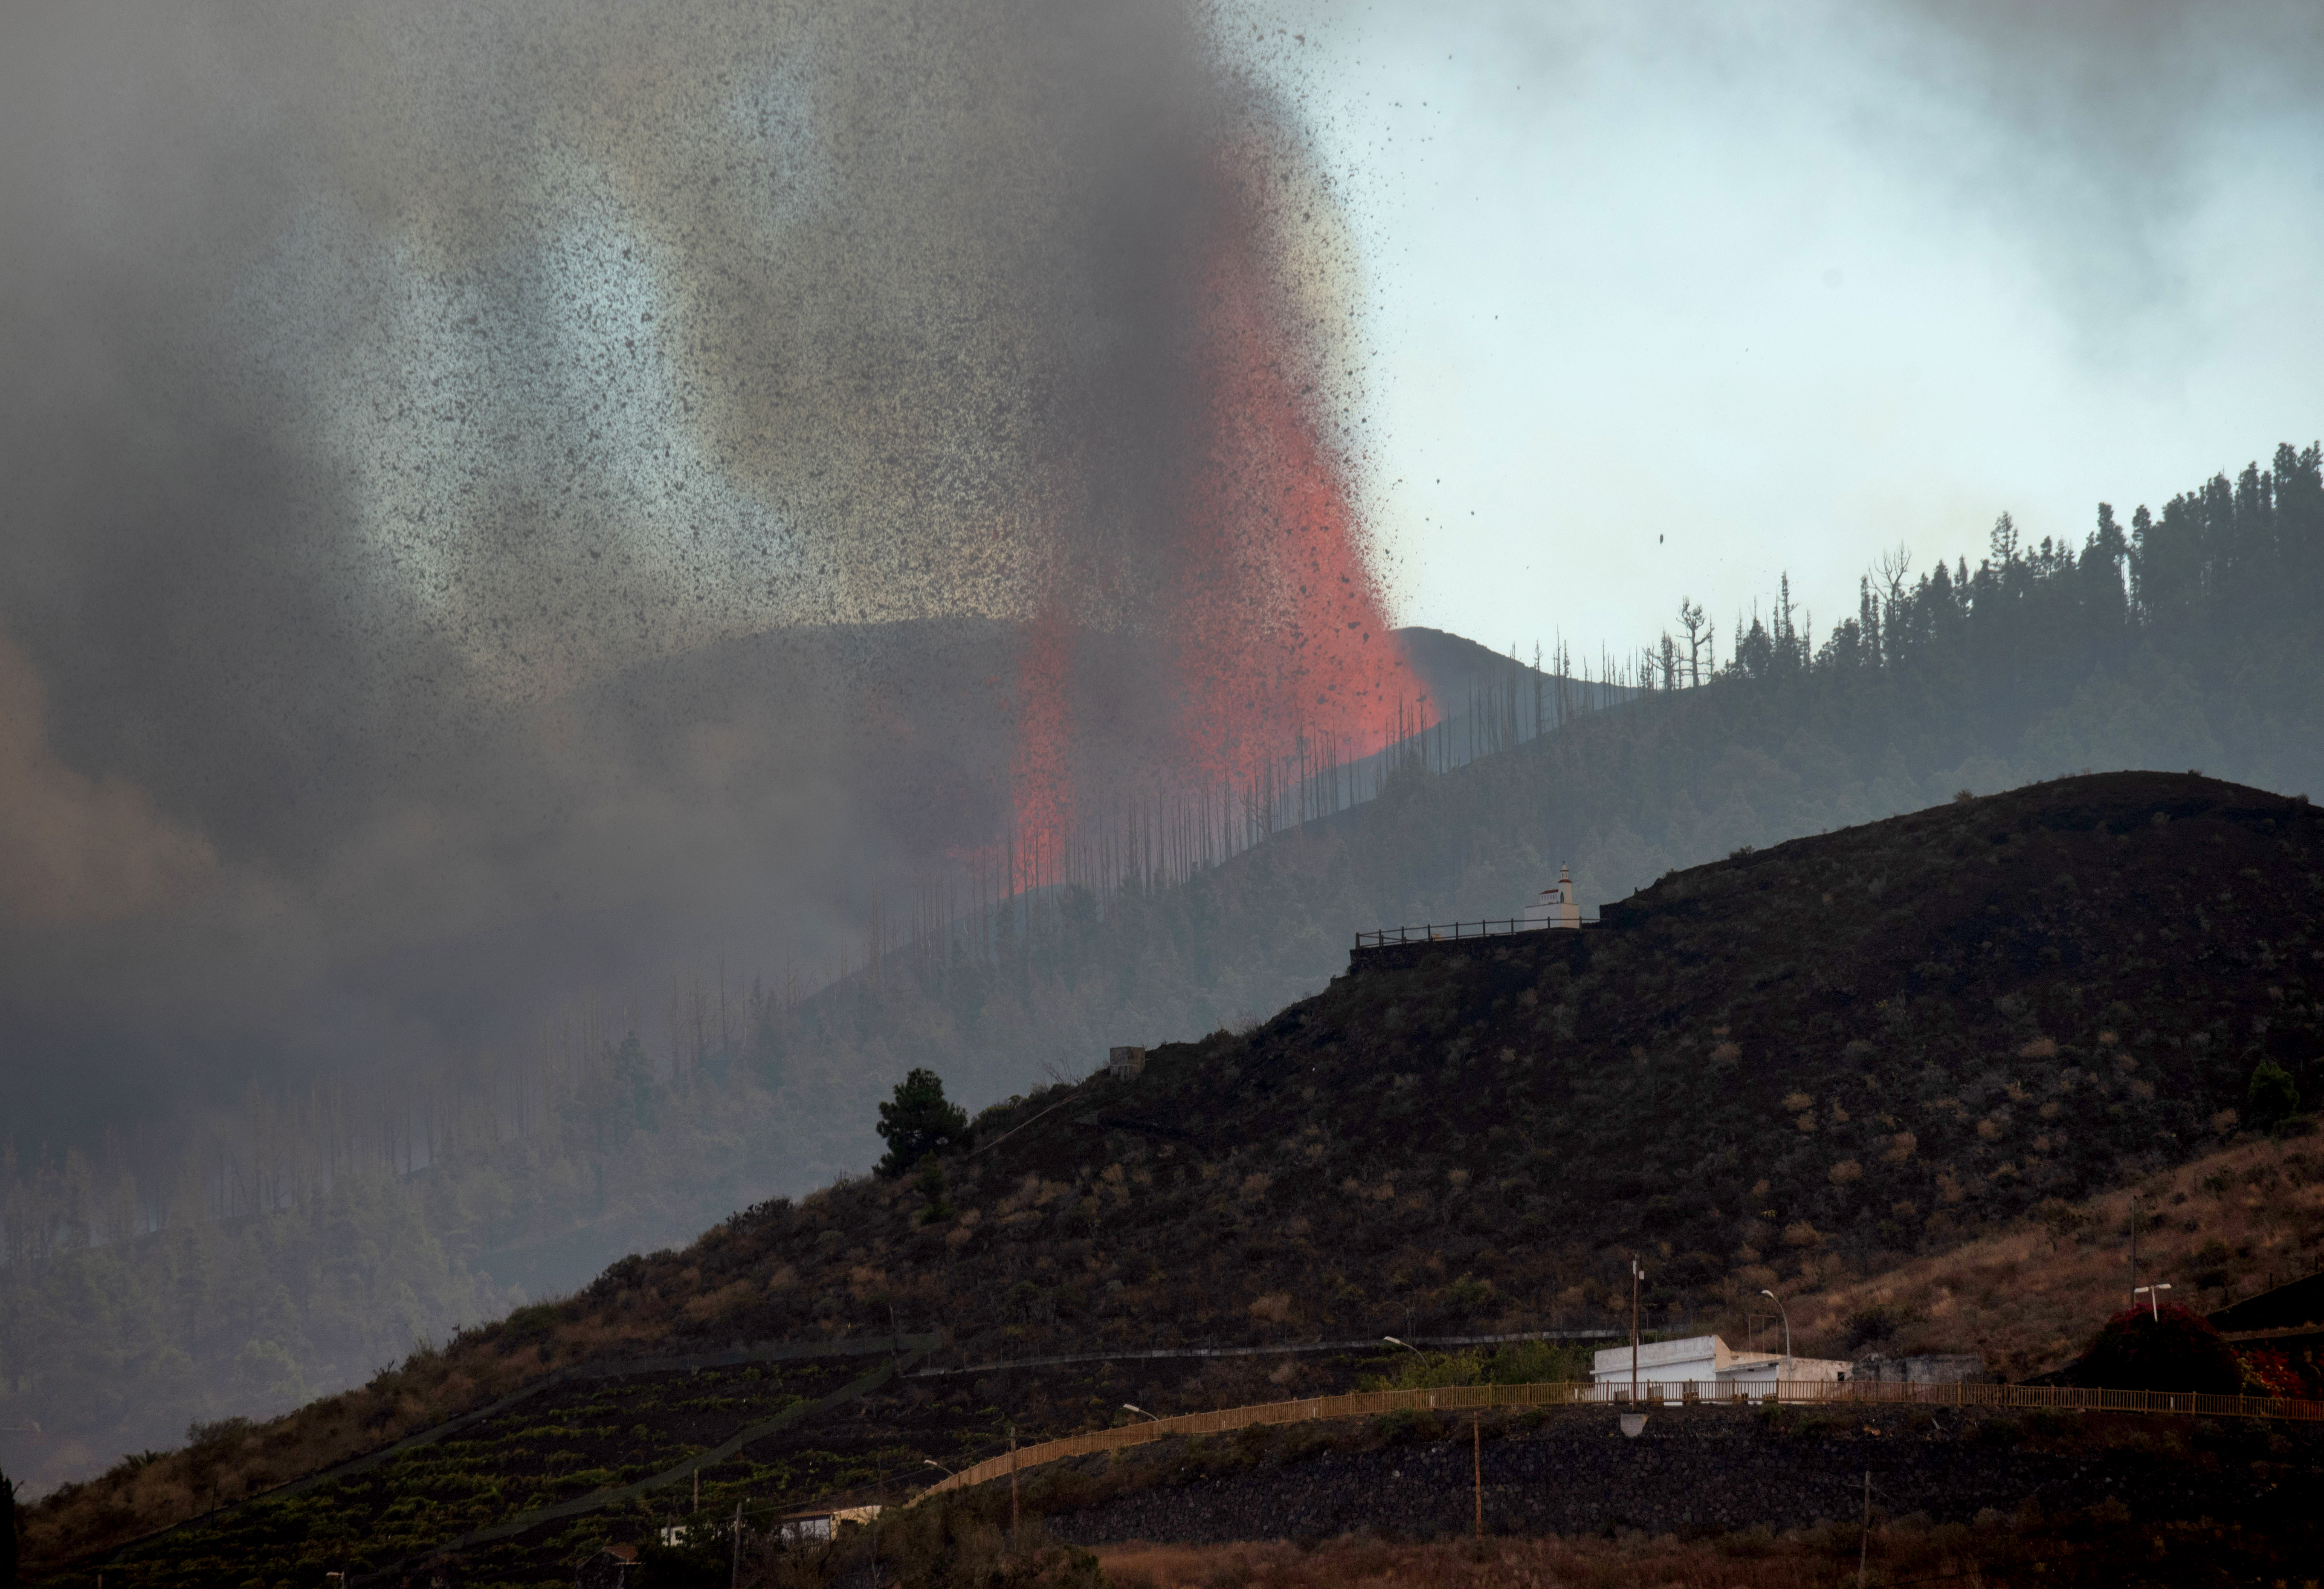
(1708, 1469)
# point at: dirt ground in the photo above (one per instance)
(2110, 1550)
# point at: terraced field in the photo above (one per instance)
(518, 1494)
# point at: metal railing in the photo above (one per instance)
(1452, 931)
(1567, 1393)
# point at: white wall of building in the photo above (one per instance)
(1708, 1363)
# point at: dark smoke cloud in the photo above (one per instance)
(2110, 122)
(507, 498)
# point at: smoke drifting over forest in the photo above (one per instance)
(510, 498)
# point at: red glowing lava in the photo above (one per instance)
(1041, 773)
(1279, 650)
(1280, 631)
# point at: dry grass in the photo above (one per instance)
(2219, 1228)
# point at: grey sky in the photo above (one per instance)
(1667, 298)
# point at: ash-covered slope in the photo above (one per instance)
(1788, 1065)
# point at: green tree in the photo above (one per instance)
(2273, 1096)
(7, 1532)
(918, 1122)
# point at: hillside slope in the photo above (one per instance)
(1797, 1068)
(2182, 638)
(1790, 1064)
(2215, 1229)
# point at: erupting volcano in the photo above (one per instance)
(592, 489)
(1278, 652)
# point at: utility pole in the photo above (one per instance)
(1477, 1452)
(1786, 1314)
(2134, 1249)
(1012, 1485)
(1637, 1274)
(1864, 1549)
(735, 1574)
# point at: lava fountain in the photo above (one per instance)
(1272, 634)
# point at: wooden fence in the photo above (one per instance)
(1567, 1393)
(1452, 931)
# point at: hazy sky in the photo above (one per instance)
(1667, 298)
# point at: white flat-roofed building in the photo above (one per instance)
(1556, 907)
(1709, 1364)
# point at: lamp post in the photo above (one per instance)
(1127, 1407)
(2153, 1300)
(1407, 1345)
(940, 1467)
(1637, 1275)
(1778, 1301)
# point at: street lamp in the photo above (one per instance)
(1638, 1277)
(1778, 1301)
(940, 1467)
(1407, 1345)
(2154, 1301)
(1141, 1412)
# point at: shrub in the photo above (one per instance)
(1875, 1324)
(223, 1432)
(2142, 1348)
(1407, 1426)
(2048, 1423)
(1469, 1294)
(2273, 1096)
(932, 1187)
(531, 1325)
(2272, 1373)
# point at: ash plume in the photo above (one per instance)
(508, 497)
